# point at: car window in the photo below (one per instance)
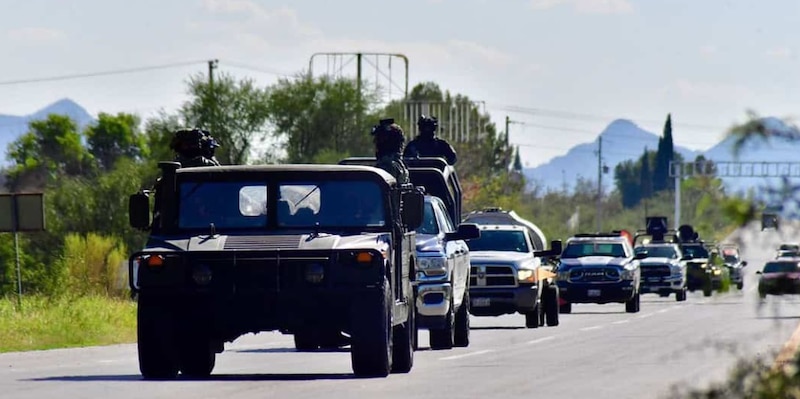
(660, 252)
(581, 249)
(224, 204)
(780, 267)
(447, 224)
(500, 240)
(429, 224)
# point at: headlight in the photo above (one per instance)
(628, 274)
(676, 270)
(717, 272)
(526, 276)
(432, 266)
(563, 276)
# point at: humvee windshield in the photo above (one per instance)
(225, 204)
(331, 204)
(659, 252)
(696, 251)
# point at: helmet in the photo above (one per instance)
(427, 124)
(191, 143)
(388, 136)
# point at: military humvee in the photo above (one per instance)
(311, 250)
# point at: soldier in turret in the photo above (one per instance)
(389, 139)
(194, 147)
(426, 144)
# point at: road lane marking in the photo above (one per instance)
(663, 310)
(789, 350)
(644, 316)
(466, 355)
(591, 328)
(622, 321)
(539, 340)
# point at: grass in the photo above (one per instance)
(47, 323)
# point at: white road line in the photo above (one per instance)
(663, 310)
(591, 328)
(644, 316)
(622, 321)
(539, 340)
(466, 355)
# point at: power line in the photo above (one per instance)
(102, 73)
(259, 69)
(589, 117)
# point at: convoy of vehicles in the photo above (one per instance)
(342, 255)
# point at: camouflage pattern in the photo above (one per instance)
(393, 164)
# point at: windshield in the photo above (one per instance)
(581, 249)
(696, 251)
(225, 204)
(731, 259)
(499, 240)
(429, 225)
(780, 267)
(659, 252)
(331, 204)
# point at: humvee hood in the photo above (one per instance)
(308, 241)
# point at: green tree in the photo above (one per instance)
(235, 111)
(645, 176)
(115, 136)
(627, 180)
(50, 149)
(314, 115)
(665, 154)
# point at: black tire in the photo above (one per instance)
(305, 341)
(444, 338)
(403, 343)
(632, 306)
(707, 291)
(565, 308)
(551, 306)
(197, 358)
(156, 339)
(461, 339)
(680, 296)
(740, 285)
(371, 335)
(533, 318)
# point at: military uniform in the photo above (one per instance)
(430, 147)
(194, 162)
(426, 144)
(393, 164)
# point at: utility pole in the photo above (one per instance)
(212, 64)
(599, 183)
(212, 117)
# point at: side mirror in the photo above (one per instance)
(640, 255)
(686, 257)
(555, 250)
(466, 231)
(413, 209)
(139, 211)
(744, 263)
(759, 272)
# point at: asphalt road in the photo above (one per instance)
(598, 351)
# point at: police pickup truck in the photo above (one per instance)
(599, 268)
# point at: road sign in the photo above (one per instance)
(21, 212)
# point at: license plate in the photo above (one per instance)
(593, 293)
(481, 302)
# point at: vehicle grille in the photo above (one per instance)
(492, 276)
(594, 275)
(655, 271)
(262, 242)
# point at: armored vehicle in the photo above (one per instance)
(317, 251)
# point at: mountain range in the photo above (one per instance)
(12, 126)
(623, 140)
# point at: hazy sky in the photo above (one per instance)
(578, 64)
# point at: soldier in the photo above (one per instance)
(194, 148)
(426, 144)
(389, 138)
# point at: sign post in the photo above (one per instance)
(20, 212)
